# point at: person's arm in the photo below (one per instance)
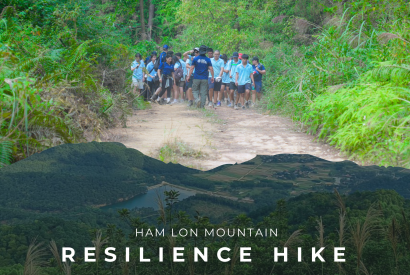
(159, 75)
(260, 71)
(236, 78)
(133, 69)
(191, 69)
(253, 81)
(212, 73)
(188, 52)
(221, 72)
(143, 74)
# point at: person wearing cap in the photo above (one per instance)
(190, 55)
(243, 79)
(258, 71)
(137, 74)
(201, 64)
(232, 86)
(162, 56)
(215, 87)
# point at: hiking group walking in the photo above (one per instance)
(198, 76)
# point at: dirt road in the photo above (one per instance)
(222, 135)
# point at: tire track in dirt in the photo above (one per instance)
(237, 136)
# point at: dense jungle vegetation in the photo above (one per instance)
(340, 68)
(373, 226)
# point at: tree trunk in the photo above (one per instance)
(143, 33)
(150, 18)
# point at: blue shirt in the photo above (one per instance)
(217, 65)
(244, 74)
(162, 55)
(225, 76)
(189, 61)
(257, 75)
(153, 73)
(137, 72)
(232, 66)
(201, 64)
(166, 69)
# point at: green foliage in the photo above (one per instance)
(351, 85)
(63, 75)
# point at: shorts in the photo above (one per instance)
(217, 86)
(181, 84)
(232, 86)
(137, 83)
(210, 84)
(243, 88)
(258, 86)
(189, 83)
(226, 84)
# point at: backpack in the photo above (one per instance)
(179, 73)
(159, 60)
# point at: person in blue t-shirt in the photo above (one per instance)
(153, 85)
(225, 79)
(243, 79)
(166, 79)
(233, 63)
(215, 88)
(258, 71)
(137, 74)
(189, 81)
(201, 64)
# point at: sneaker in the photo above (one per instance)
(230, 105)
(190, 103)
(181, 100)
(153, 97)
(246, 104)
(239, 105)
(253, 105)
(198, 103)
(210, 104)
(218, 104)
(226, 101)
(236, 107)
(243, 107)
(175, 101)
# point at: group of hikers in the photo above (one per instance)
(198, 75)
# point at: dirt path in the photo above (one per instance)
(223, 135)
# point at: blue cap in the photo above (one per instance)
(165, 47)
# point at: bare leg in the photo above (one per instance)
(247, 95)
(237, 97)
(176, 92)
(211, 94)
(254, 96)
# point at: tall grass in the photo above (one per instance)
(350, 87)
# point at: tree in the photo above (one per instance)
(143, 33)
(150, 19)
